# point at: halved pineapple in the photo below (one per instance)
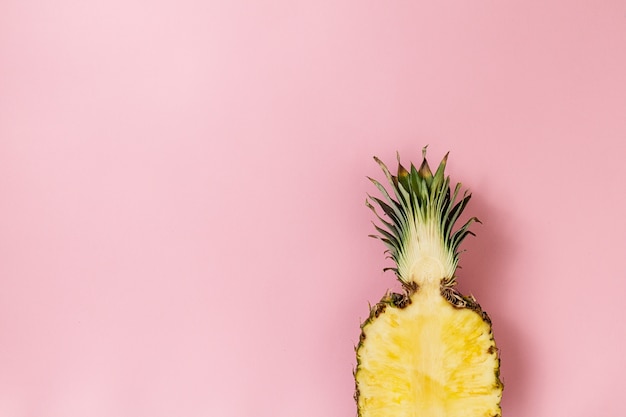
(430, 351)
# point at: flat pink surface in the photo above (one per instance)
(182, 184)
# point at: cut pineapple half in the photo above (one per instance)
(429, 352)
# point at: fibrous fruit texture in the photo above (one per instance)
(429, 351)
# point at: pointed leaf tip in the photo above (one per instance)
(424, 170)
(402, 172)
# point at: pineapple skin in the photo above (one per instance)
(428, 352)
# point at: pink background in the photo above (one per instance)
(182, 184)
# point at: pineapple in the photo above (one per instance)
(430, 351)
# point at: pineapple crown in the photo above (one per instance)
(421, 211)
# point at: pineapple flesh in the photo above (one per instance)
(430, 351)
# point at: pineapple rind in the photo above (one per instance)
(421, 212)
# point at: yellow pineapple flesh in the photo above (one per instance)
(430, 351)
